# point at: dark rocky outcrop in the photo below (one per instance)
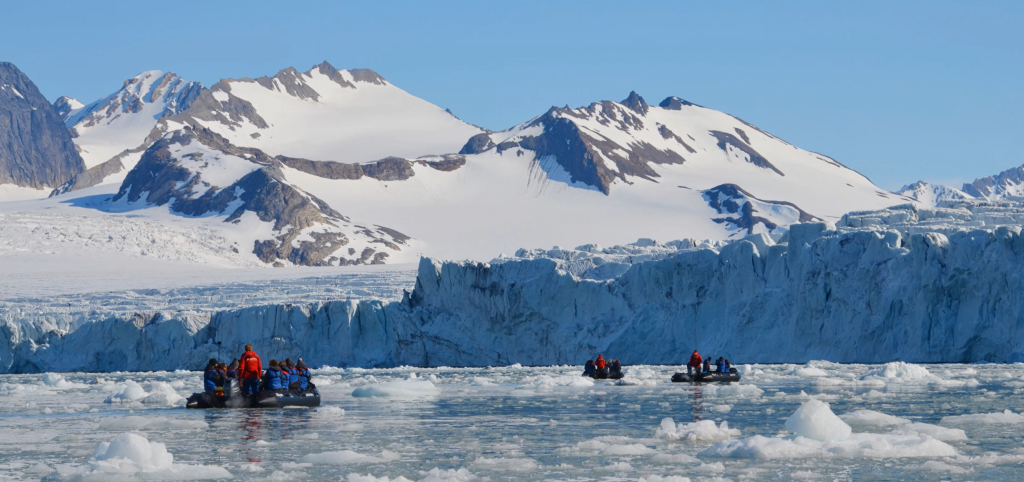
(675, 103)
(387, 169)
(732, 199)
(477, 144)
(36, 149)
(159, 178)
(636, 103)
(726, 139)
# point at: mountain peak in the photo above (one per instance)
(636, 103)
(674, 103)
(65, 105)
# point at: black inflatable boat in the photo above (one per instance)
(604, 374)
(232, 398)
(732, 376)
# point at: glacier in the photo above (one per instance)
(869, 289)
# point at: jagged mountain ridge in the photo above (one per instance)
(931, 195)
(36, 151)
(196, 172)
(323, 114)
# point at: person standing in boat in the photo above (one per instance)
(694, 365)
(250, 369)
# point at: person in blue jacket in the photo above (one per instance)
(304, 375)
(213, 377)
(707, 366)
(233, 370)
(274, 379)
(293, 374)
(720, 365)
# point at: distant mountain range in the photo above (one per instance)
(329, 167)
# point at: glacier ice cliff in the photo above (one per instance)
(869, 289)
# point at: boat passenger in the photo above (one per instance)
(589, 369)
(616, 369)
(293, 374)
(694, 365)
(707, 366)
(720, 365)
(304, 375)
(250, 369)
(232, 371)
(728, 366)
(274, 379)
(212, 378)
(600, 361)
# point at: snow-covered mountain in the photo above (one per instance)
(1009, 183)
(347, 141)
(596, 173)
(111, 133)
(321, 114)
(931, 195)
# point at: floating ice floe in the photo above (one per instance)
(700, 431)
(817, 432)
(410, 388)
(132, 455)
(1007, 417)
(505, 464)
(901, 372)
(871, 418)
(732, 390)
(433, 475)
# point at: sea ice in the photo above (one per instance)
(131, 454)
(400, 389)
(815, 420)
(1005, 418)
(347, 457)
(871, 418)
(700, 431)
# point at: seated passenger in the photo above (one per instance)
(707, 366)
(616, 368)
(728, 366)
(232, 371)
(304, 375)
(293, 374)
(212, 378)
(589, 369)
(274, 379)
(720, 365)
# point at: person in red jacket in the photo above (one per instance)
(250, 370)
(600, 361)
(695, 361)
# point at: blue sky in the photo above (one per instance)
(897, 90)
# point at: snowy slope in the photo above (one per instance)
(326, 114)
(608, 173)
(931, 195)
(124, 119)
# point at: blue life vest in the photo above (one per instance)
(275, 379)
(210, 380)
(303, 374)
(293, 374)
(720, 365)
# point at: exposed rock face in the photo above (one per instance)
(728, 142)
(749, 214)
(36, 149)
(171, 172)
(387, 169)
(64, 105)
(674, 103)
(863, 293)
(1005, 184)
(477, 144)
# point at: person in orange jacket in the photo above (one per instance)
(694, 365)
(600, 361)
(249, 371)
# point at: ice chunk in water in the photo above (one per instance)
(404, 389)
(901, 372)
(871, 418)
(815, 420)
(701, 431)
(130, 454)
(129, 391)
(347, 457)
(1005, 418)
